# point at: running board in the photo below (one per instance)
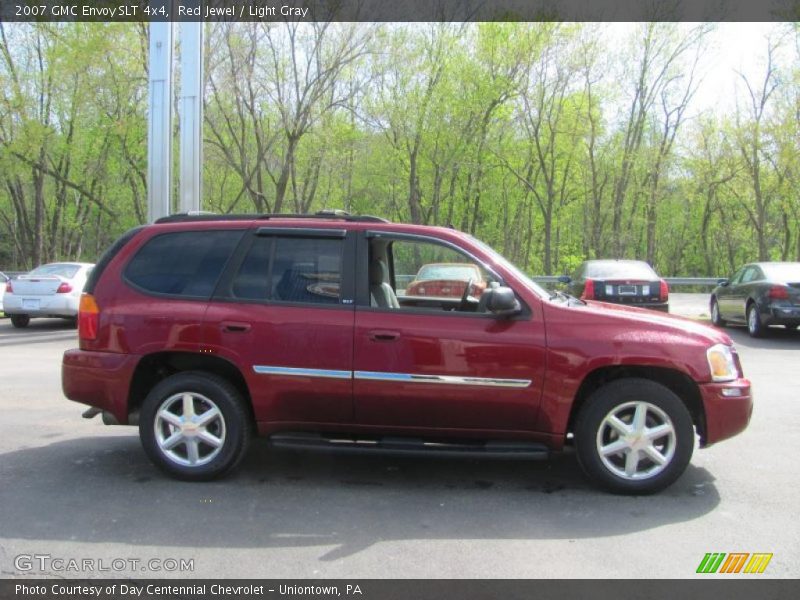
(505, 449)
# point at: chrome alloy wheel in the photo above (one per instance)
(189, 429)
(636, 440)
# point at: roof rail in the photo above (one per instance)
(323, 214)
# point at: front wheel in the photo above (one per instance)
(20, 321)
(194, 426)
(755, 327)
(634, 436)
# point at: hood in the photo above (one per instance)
(658, 322)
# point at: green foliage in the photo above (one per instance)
(547, 140)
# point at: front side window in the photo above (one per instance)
(185, 263)
(290, 269)
(405, 274)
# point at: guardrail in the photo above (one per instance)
(404, 280)
(672, 281)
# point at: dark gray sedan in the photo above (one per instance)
(759, 295)
(630, 282)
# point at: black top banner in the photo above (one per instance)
(398, 10)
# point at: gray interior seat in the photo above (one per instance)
(380, 291)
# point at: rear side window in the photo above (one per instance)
(186, 263)
(291, 269)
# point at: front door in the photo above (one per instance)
(427, 355)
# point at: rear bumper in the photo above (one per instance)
(781, 315)
(100, 379)
(728, 407)
(57, 305)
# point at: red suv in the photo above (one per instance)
(204, 330)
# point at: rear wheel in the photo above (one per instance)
(634, 436)
(194, 426)
(755, 327)
(20, 321)
(716, 317)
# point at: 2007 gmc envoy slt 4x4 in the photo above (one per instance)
(205, 329)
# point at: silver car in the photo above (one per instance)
(52, 290)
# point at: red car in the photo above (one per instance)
(204, 330)
(447, 280)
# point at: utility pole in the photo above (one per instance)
(159, 125)
(159, 122)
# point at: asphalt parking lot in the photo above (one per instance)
(74, 489)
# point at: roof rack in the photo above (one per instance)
(322, 214)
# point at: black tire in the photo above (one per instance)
(716, 319)
(755, 327)
(233, 426)
(20, 321)
(662, 407)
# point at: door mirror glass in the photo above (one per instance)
(723, 282)
(565, 279)
(502, 302)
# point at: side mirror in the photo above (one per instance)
(565, 279)
(723, 282)
(502, 302)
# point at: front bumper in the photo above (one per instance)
(57, 305)
(99, 379)
(728, 407)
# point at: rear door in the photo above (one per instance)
(284, 313)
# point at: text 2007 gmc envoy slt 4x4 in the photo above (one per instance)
(204, 330)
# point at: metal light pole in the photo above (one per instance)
(191, 115)
(159, 128)
(159, 121)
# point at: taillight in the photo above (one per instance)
(9, 289)
(64, 288)
(664, 294)
(88, 318)
(778, 292)
(588, 290)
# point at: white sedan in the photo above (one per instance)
(52, 290)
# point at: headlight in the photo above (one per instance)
(721, 363)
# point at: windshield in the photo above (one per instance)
(57, 270)
(622, 269)
(783, 271)
(448, 272)
(499, 259)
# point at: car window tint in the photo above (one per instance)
(749, 275)
(55, 270)
(186, 263)
(621, 270)
(306, 270)
(251, 281)
(737, 277)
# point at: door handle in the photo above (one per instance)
(235, 327)
(380, 335)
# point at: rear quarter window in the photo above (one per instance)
(184, 263)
